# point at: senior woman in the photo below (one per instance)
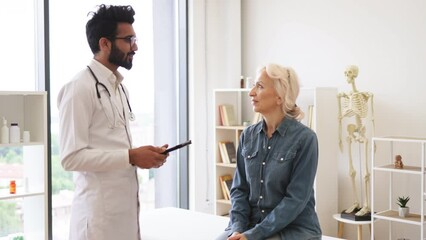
(272, 193)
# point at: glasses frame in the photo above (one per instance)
(132, 40)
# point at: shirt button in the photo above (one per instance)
(248, 156)
(261, 181)
(263, 211)
(261, 197)
(263, 163)
(282, 159)
(269, 147)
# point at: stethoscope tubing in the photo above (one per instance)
(131, 114)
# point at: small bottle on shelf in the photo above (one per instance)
(242, 81)
(14, 133)
(26, 136)
(12, 187)
(249, 83)
(4, 132)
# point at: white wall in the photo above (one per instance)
(214, 61)
(385, 39)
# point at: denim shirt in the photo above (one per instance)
(272, 191)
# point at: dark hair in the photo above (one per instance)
(104, 23)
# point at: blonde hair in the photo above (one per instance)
(286, 84)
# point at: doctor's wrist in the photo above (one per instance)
(131, 157)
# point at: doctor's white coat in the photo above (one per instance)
(94, 142)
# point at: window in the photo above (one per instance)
(18, 59)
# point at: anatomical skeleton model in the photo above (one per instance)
(355, 105)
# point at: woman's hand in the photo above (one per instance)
(237, 236)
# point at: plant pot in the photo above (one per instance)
(403, 211)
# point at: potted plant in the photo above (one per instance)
(403, 209)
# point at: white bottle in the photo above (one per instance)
(4, 132)
(14, 133)
(249, 83)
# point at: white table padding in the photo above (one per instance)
(177, 223)
(181, 224)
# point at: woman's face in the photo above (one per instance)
(264, 97)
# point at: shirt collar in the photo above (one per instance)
(282, 127)
(114, 78)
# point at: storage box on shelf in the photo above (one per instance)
(320, 108)
(413, 152)
(30, 202)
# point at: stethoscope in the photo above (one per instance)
(97, 84)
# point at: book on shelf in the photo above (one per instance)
(310, 116)
(226, 184)
(222, 152)
(231, 153)
(228, 153)
(227, 115)
(225, 194)
(221, 120)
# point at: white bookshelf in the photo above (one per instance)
(29, 110)
(240, 101)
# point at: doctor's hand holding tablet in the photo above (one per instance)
(152, 157)
(148, 156)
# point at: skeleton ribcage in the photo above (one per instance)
(355, 105)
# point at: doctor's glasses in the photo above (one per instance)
(132, 40)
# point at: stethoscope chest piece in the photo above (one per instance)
(132, 116)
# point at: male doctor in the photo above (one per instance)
(95, 140)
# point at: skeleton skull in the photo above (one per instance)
(351, 72)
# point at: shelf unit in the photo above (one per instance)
(240, 101)
(29, 110)
(324, 123)
(405, 146)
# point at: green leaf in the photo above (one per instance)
(402, 201)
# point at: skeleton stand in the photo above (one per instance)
(355, 104)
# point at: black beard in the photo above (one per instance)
(117, 57)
